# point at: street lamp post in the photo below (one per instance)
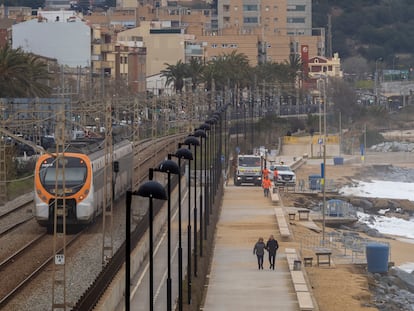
(190, 140)
(129, 194)
(152, 190)
(376, 82)
(202, 134)
(186, 154)
(205, 127)
(213, 122)
(218, 164)
(169, 167)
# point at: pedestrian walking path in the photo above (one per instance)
(235, 282)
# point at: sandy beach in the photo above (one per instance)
(343, 286)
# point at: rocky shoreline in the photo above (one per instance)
(392, 290)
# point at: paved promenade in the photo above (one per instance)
(235, 283)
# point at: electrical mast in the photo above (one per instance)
(329, 39)
(135, 139)
(3, 171)
(107, 226)
(59, 211)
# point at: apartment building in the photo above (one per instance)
(119, 56)
(152, 33)
(299, 17)
(55, 34)
(281, 26)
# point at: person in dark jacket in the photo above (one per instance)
(258, 250)
(271, 246)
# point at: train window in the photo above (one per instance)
(62, 161)
(73, 175)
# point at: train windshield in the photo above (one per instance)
(73, 171)
(73, 175)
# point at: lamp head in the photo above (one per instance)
(205, 126)
(217, 115)
(191, 140)
(211, 121)
(184, 153)
(152, 189)
(169, 166)
(200, 133)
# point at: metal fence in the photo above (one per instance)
(346, 247)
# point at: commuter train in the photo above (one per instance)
(80, 184)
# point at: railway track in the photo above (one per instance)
(15, 216)
(23, 264)
(150, 153)
(149, 157)
(19, 269)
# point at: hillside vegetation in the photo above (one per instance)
(371, 29)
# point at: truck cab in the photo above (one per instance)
(285, 175)
(248, 170)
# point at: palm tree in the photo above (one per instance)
(22, 74)
(175, 74)
(195, 72)
(228, 70)
(295, 65)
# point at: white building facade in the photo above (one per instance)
(55, 34)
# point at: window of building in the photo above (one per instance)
(275, 20)
(226, 8)
(250, 7)
(295, 20)
(316, 68)
(296, 8)
(214, 46)
(294, 47)
(224, 45)
(234, 45)
(250, 20)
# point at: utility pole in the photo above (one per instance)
(329, 38)
(107, 227)
(135, 128)
(365, 144)
(3, 170)
(324, 162)
(340, 133)
(59, 211)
